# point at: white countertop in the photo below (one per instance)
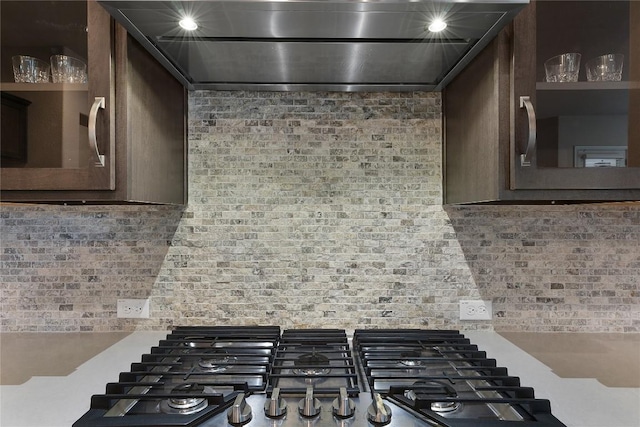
(58, 401)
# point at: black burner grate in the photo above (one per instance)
(320, 358)
(440, 377)
(191, 376)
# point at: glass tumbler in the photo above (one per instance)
(27, 69)
(605, 68)
(563, 68)
(66, 69)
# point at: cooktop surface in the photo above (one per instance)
(263, 376)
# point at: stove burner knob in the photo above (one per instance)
(378, 413)
(275, 407)
(309, 407)
(240, 412)
(343, 407)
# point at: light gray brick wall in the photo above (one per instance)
(319, 210)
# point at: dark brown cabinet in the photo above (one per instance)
(119, 137)
(512, 136)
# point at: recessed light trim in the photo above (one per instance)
(188, 24)
(437, 25)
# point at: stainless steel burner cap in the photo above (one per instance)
(312, 364)
(216, 361)
(412, 363)
(444, 407)
(182, 403)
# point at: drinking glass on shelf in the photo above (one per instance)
(563, 68)
(66, 69)
(27, 69)
(605, 68)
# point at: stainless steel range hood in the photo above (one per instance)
(327, 45)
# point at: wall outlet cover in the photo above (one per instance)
(476, 310)
(133, 308)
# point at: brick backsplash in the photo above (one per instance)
(319, 210)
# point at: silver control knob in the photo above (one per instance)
(378, 413)
(240, 412)
(309, 407)
(275, 407)
(343, 407)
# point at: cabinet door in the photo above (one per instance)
(580, 134)
(57, 135)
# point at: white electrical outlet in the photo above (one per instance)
(133, 308)
(476, 310)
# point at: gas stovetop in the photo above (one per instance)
(262, 377)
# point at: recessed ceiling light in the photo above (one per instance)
(437, 25)
(188, 24)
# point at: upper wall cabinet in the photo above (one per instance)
(519, 128)
(87, 114)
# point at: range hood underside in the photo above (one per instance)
(313, 45)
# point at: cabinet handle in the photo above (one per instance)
(93, 118)
(525, 159)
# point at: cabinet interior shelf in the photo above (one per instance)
(582, 98)
(571, 86)
(44, 87)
